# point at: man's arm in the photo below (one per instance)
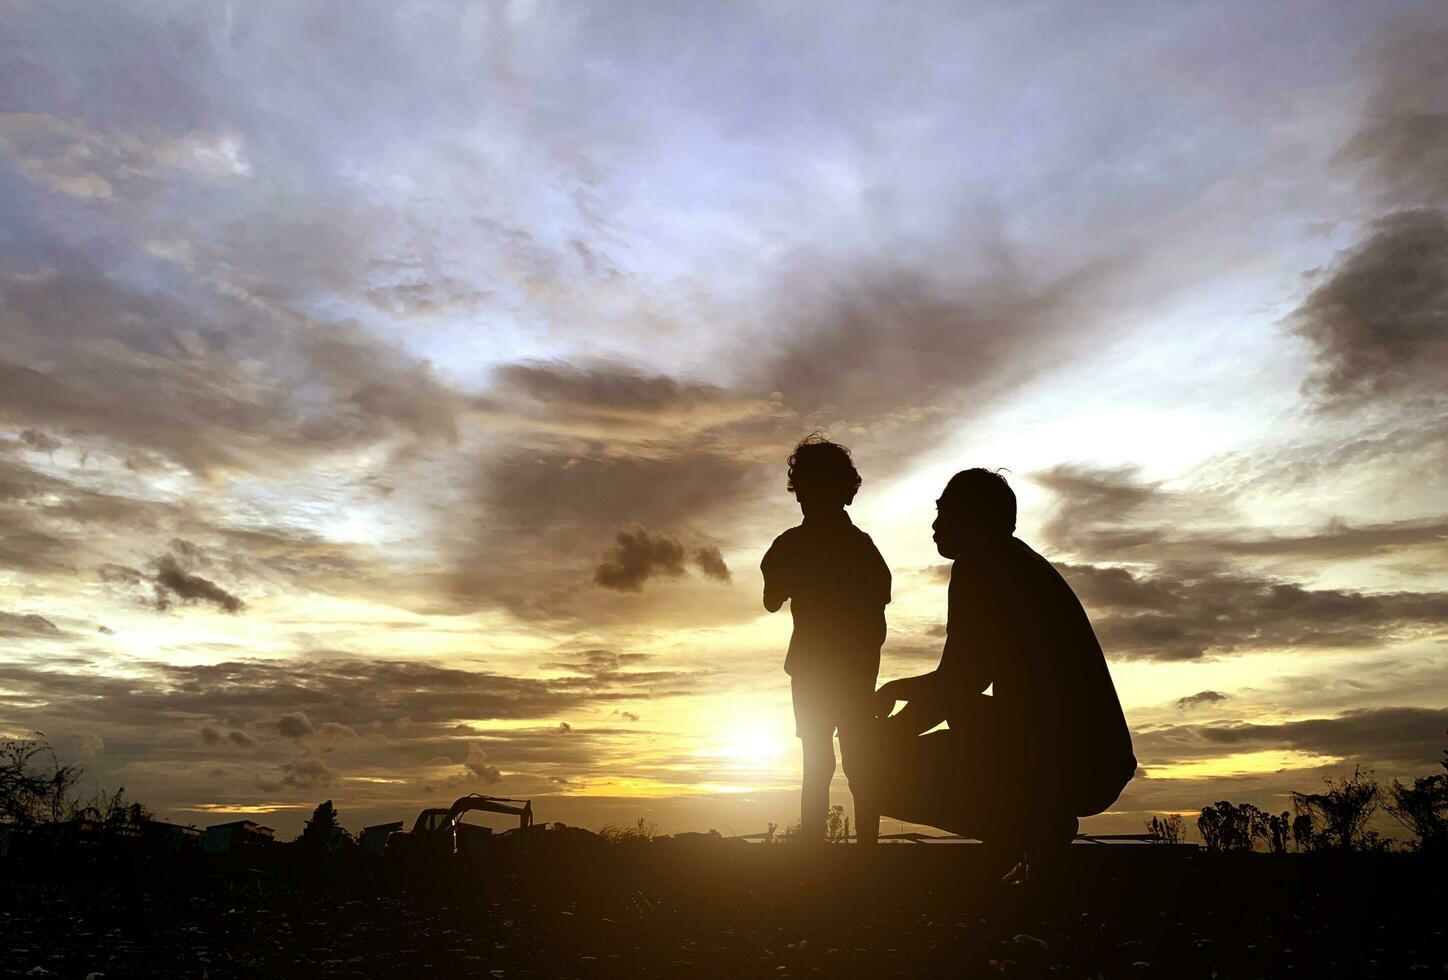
(966, 659)
(924, 703)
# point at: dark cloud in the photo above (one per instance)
(1098, 508)
(295, 724)
(1111, 514)
(240, 739)
(171, 580)
(1339, 539)
(603, 392)
(1406, 736)
(942, 339)
(638, 555)
(210, 735)
(205, 380)
(1403, 138)
(711, 563)
(1379, 322)
(1379, 319)
(39, 441)
(1184, 615)
(358, 693)
(305, 774)
(1200, 698)
(26, 625)
(564, 728)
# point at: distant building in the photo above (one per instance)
(223, 838)
(163, 836)
(374, 838)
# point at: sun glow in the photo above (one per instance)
(753, 744)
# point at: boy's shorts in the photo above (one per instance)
(825, 703)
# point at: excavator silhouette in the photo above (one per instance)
(438, 837)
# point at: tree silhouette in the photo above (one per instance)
(1337, 819)
(1423, 809)
(1277, 830)
(34, 786)
(1167, 830)
(323, 832)
(1225, 826)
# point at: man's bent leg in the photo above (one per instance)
(938, 780)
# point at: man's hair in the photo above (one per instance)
(983, 498)
(818, 466)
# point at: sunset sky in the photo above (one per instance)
(394, 397)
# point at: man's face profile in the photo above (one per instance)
(949, 531)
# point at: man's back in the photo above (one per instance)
(1017, 615)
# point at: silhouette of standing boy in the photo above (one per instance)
(838, 587)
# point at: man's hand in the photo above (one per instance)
(889, 693)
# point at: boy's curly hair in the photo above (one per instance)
(820, 466)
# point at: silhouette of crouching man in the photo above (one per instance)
(1014, 768)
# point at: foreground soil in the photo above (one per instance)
(735, 910)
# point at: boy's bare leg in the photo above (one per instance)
(861, 749)
(814, 802)
(867, 821)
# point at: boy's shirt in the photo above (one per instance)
(838, 586)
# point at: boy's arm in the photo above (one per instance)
(881, 574)
(776, 589)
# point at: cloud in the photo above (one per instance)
(356, 692)
(1379, 319)
(1406, 736)
(711, 563)
(640, 554)
(621, 401)
(295, 724)
(39, 441)
(306, 774)
(335, 729)
(1402, 140)
(240, 739)
(207, 379)
(477, 764)
(26, 625)
(87, 744)
(1200, 698)
(73, 159)
(1379, 322)
(171, 580)
(1182, 614)
(564, 728)
(1110, 513)
(210, 735)
(1098, 508)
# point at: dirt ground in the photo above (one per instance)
(736, 910)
